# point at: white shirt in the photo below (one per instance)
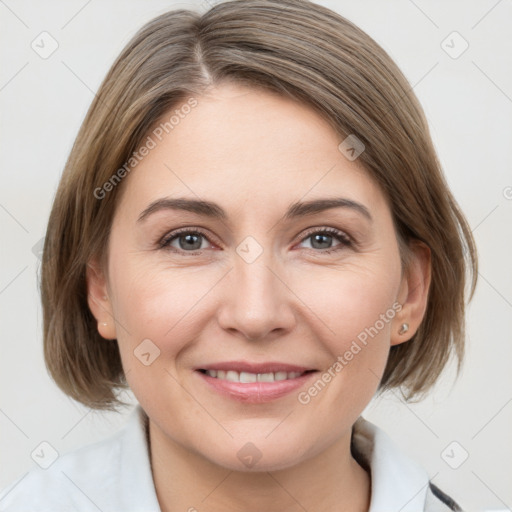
(114, 475)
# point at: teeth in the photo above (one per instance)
(233, 376)
(247, 377)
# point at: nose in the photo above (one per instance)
(256, 303)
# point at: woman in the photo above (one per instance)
(253, 234)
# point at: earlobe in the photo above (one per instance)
(404, 328)
(98, 301)
(413, 295)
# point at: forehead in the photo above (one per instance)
(247, 148)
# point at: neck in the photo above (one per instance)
(330, 481)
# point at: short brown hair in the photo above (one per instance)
(316, 57)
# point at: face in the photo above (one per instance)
(268, 324)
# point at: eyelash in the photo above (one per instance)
(346, 241)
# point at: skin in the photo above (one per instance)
(254, 153)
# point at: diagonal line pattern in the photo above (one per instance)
(76, 424)
(14, 423)
(508, 401)
(81, 491)
(485, 218)
(76, 14)
(13, 13)
(492, 81)
(12, 78)
(415, 414)
(216, 487)
(508, 506)
(280, 423)
(424, 14)
(79, 79)
(13, 279)
(495, 289)
(286, 491)
(414, 496)
(14, 485)
(485, 15)
(13, 217)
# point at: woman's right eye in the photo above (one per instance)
(184, 241)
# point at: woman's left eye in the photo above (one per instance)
(192, 240)
(321, 237)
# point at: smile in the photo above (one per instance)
(254, 382)
(247, 377)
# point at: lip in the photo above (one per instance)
(245, 366)
(255, 392)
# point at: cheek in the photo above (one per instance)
(156, 302)
(358, 304)
(153, 312)
(351, 299)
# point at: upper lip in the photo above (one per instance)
(245, 366)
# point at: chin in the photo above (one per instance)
(259, 456)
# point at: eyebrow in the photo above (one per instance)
(214, 211)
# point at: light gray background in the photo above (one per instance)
(468, 102)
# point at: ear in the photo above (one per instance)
(413, 293)
(98, 300)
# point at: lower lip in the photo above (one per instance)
(255, 392)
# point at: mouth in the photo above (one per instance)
(254, 383)
(248, 377)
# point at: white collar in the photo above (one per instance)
(398, 482)
(135, 479)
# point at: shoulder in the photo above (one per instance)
(395, 476)
(70, 483)
(113, 474)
